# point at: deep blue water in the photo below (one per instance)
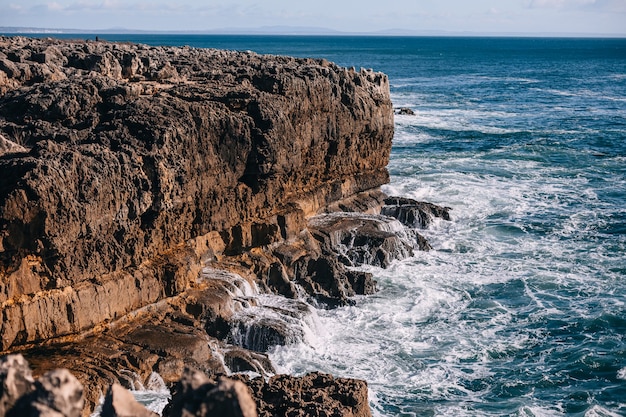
(521, 308)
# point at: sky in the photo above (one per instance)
(462, 16)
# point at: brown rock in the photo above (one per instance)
(360, 239)
(16, 381)
(315, 394)
(413, 213)
(243, 360)
(197, 395)
(145, 162)
(57, 393)
(127, 169)
(119, 402)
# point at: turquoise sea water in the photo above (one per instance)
(521, 308)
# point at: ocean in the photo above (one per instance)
(520, 309)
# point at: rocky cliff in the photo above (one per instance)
(149, 194)
(121, 162)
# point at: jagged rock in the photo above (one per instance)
(405, 111)
(55, 394)
(315, 394)
(243, 360)
(16, 381)
(130, 352)
(360, 239)
(145, 162)
(119, 402)
(413, 213)
(197, 395)
(6, 146)
(126, 169)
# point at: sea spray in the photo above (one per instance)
(153, 394)
(261, 321)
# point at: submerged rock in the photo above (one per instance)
(405, 111)
(360, 239)
(244, 360)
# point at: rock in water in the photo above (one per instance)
(413, 213)
(119, 402)
(360, 239)
(407, 111)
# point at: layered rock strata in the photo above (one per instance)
(125, 166)
(150, 195)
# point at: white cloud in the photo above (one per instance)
(559, 4)
(107, 6)
(15, 7)
(54, 6)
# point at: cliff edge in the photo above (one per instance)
(117, 159)
(149, 195)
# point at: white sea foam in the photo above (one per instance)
(154, 394)
(261, 320)
(238, 286)
(519, 230)
(458, 120)
(598, 411)
(538, 411)
(582, 93)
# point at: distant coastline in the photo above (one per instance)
(300, 31)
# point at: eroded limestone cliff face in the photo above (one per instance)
(149, 195)
(124, 165)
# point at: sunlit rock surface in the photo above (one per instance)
(169, 208)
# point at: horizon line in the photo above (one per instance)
(302, 31)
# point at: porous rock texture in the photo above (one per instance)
(137, 181)
(198, 395)
(124, 165)
(315, 394)
(55, 394)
